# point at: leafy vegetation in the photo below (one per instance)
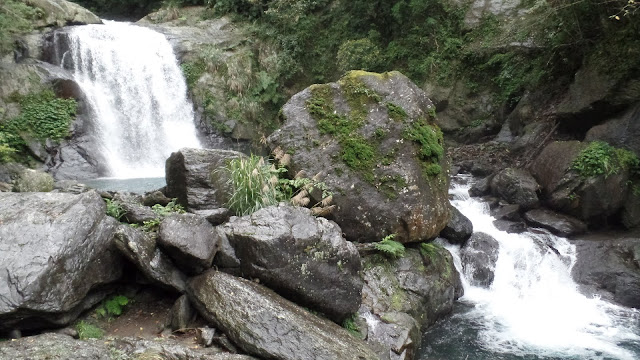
(390, 247)
(112, 306)
(429, 138)
(171, 208)
(600, 158)
(115, 209)
(87, 330)
(253, 182)
(351, 326)
(15, 18)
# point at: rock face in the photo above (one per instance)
(140, 248)
(268, 326)
(54, 249)
(59, 13)
(191, 177)
(190, 240)
(459, 228)
(516, 186)
(402, 296)
(558, 224)
(594, 200)
(623, 131)
(302, 257)
(610, 265)
(372, 138)
(479, 258)
(62, 347)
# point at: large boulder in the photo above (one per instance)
(194, 176)
(458, 229)
(594, 200)
(266, 325)
(53, 346)
(610, 265)
(402, 297)
(140, 248)
(479, 257)
(55, 248)
(516, 186)
(623, 131)
(302, 257)
(558, 224)
(190, 240)
(373, 139)
(59, 13)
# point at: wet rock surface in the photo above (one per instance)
(394, 195)
(54, 249)
(479, 258)
(516, 186)
(302, 257)
(266, 325)
(190, 241)
(458, 229)
(558, 224)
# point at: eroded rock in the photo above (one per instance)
(479, 258)
(516, 186)
(558, 224)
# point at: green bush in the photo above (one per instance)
(253, 182)
(88, 331)
(389, 247)
(361, 54)
(600, 158)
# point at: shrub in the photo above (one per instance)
(600, 158)
(361, 54)
(389, 247)
(253, 184)
(88, 331)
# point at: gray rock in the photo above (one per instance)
(140, 248)
(610, 265)
(623, 132)
(481, 187)
(630, 215)
(181, 314)
(205, 336)
(192, 177)
(458, 229)
(268, 326)
(33, 181)
(53, 346)
(190, 240)
(512, 227)
(58, 13)
(10, 171)
(302, 257)
(516, 186)
(507, 212)
(393, 196)
(135, 212)
(54, 249)
(479, 258)
(215, 216)
(396, 336)
(558, 224)
(155, 198)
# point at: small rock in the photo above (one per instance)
(516, 186)
(214, 216)
(69, 331)
(155, 198)
(205, 336)
(458, 229)
(481, 187)
(512, 227)
(479, 258)
(181, 314)
(558, 224)
(15, 334)
(507, 212)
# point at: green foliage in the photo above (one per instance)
(430, 250)
(113, 306)
(253, 182)
(361, 54)
(357, 153)
(396, 112)
(151, 225)
(115, 209)
(16, 18)
(429, 138)
(389, 247)
(600, 158)
(88, 331)
(192, 72)
(351, 326)
(171, 208)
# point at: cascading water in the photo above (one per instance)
(533, 309)
(137, 93)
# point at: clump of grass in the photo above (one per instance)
(253, 184)
(390, 247)
(88, 331)
(600, 158)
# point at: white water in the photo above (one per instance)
(533, 306)
(137, 92)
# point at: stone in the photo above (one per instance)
(32, 180)
(391, 193)
(610, 265)
(302, 257)
(458, 229)
(195, 177)
(55, 248)
(205, 336)
(479, 258)
(481, 187)
(181, 314)
(140, 248)
(268, 326)
(507, 212)
(621, 132)
(155, 198)
(189, 240)
(402, 297)
(512, 227)
(134, 211)
(516, 186)
(215, 216)
(58, 13)
(562, 225)
(51, 346)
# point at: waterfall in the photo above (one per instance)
(533, 309)
(136, 93)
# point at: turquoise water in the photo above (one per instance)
(135, 185)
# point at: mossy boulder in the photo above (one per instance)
(373, 139)
(59, 13)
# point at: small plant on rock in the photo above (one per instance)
(171, 208)
(112, 306)
(390, 247)
(351, 326)
(253, 182)
(88, 331)
(115, 209)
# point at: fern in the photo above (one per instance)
(389, 247)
